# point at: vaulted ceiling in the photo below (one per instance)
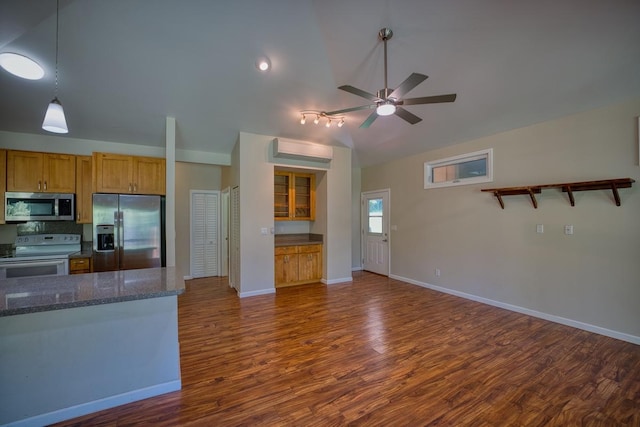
(124, 65)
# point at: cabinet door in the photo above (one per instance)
(3, 180)
(282, 195)
(286, 269)
(84, 203)
(304, 197)
(149, 175)
(58, 173)
(24, 171)
(113, 173)
(310, 263)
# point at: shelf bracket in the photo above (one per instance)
(499, 197)
(567, 188)
(533, 198)
(616, 196)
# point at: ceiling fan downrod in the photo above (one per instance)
(384, 35)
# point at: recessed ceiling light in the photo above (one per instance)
(21, 66)
(263, 63)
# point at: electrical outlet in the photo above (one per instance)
(539, 228)
(568, 229)
(437, 272)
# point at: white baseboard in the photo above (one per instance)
(187, 278)
(356, 268)
(256, 293)
(97, 405)
(334, 281)
(546, 316)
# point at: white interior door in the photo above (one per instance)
(375, 231)
(234, 239)
(224, 232)
(205, 206)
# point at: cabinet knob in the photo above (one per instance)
(135, 188)
(45, 186)
(129, 187)
(39, 185)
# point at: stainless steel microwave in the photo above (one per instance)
(39, 207)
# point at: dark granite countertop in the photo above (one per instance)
(298, 239)
(47, 293)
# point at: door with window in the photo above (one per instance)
(375, 231)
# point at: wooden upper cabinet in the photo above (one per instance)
(149, 175)
(36, 172)
(84, 194)
(117, 173)
(3, 180)
(294, 196)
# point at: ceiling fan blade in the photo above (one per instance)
(369, 120)
(359, 92)
(348, 110)
(412, 81)
(404, 114)
(429, 99)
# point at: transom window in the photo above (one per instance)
(471, 168)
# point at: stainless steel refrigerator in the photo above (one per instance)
(128, 232)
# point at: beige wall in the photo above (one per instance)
(190, 176)
(590, 279)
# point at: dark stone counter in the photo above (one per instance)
(47, 293)
(298, 239)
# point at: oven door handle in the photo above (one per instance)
(32, 263)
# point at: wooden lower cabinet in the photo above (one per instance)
(297, 265)
(80, 265)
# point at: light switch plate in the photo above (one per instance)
(568, 229)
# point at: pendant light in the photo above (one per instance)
(54, 120)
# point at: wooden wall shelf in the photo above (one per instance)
(567, 187)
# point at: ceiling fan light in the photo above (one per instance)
(328, 123)
(386, 109)
(263, 63)
(303, 120)
(341, 123)
(316, 120)
(54, 120)
(21, 66)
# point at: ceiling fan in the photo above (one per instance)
(389, 101)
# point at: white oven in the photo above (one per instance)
(40, 255)
(16, 267)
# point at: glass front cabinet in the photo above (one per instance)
(294, 196)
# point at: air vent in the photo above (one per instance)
(302, 150)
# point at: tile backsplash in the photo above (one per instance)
(48, 227)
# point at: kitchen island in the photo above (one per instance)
(72, 345)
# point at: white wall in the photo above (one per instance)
(591, 277)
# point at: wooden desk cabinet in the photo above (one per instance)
(297, 265)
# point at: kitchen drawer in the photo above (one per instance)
(286, 250)
(79, 265)
(305, 249)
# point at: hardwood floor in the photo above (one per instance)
(380, 352)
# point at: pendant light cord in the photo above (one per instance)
(55, 94)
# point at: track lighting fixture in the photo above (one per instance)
(320, 115)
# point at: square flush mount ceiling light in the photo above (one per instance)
(21, 66)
